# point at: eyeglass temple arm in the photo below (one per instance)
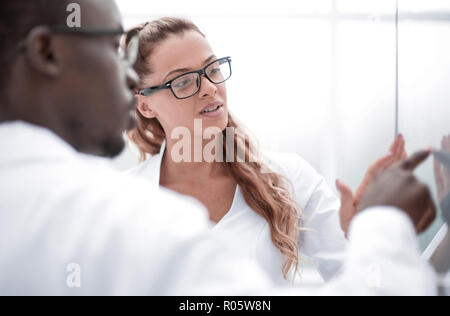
(149, 91)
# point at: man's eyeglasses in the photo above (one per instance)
(189, 84)
(129, 54)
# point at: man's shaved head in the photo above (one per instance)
(17, 18)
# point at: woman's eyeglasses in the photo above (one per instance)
(189, 84)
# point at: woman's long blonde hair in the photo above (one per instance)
(267, 193)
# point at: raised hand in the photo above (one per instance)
(398, 187)
(350, 201)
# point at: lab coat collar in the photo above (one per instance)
(151, 168)
(25, 141)
(158, 163)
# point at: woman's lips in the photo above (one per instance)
(213, 111)
(211, 106)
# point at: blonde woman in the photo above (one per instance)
(276, 217)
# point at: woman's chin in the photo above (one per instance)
(219, 122)
(219, 125)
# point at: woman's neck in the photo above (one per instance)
(191, 167)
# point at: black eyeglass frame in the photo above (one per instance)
(168, 85)
(132, 36)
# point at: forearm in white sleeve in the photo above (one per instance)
(383, 257)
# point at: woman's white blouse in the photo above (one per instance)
(322, 240)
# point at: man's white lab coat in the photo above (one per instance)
(60, 209)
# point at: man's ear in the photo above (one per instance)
(144, 107)
(41, 52)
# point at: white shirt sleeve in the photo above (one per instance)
(384, 257)
(323, 239)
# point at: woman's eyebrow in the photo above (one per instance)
(210, 58)
(175, 71)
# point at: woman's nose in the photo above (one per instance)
(207, 88)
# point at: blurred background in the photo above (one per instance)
(331, 80)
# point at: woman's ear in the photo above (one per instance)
(144, 107)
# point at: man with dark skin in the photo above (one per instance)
(77, 88)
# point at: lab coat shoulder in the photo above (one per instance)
(126, 188)
(321, 238)
(310, 189)
(186, 257)
(126, 197)
(163, 237)
(126, 237)
(148, 168)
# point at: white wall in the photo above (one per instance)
(424, 81)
